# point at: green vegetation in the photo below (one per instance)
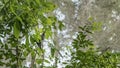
(20, 31)
(86, 55)
(26, 24)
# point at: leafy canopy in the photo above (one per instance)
(22, 23)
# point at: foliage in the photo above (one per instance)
(96, 26)
(22, 22)
(86, 55)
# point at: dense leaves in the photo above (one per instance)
(26, 24)
(86, 55)
(22, 23)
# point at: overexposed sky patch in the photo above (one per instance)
(60, 16)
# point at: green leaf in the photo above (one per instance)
(32, 53)
(48, 33)
(46, 61)
(90, 19)
(52, 51)
(16, 30)
(39, 61)
(64, 62)
(49, 21)
(12, 10)
(61, 25)
(27, 40)
(17, 16)
(39, 51)
(32, 40)
(96, 26)
(25, 53)
(36, 36)
(38, 2)
(6, 46)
